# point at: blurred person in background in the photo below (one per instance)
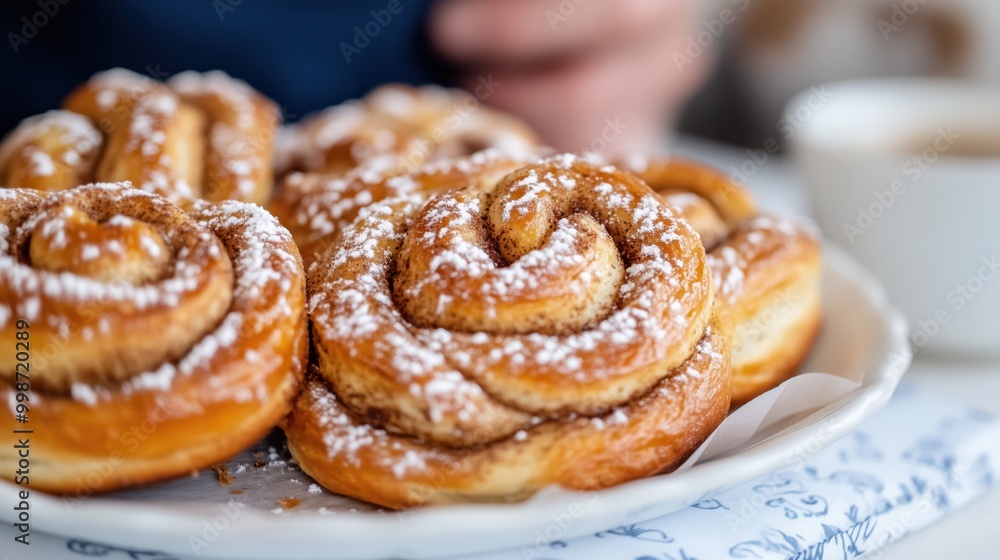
(576, 70)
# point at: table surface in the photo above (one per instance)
(968, 532)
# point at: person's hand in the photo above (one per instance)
(597, 75)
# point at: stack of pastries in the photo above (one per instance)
(483, 321)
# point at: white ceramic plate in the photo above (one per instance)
(863, 347)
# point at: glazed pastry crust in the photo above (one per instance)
(50, 152)
(774, 300)
(317, 207)
(338, 161)
(239, 131)
(652, 434)
(200, 136)
(224, 390)
(397, 128)
(767, 271)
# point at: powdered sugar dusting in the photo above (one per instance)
(356, 314)
(450, 375)
(352, 444)
(755, 241)
(237, 147)
(321, 206)
(147, 139)
(76, 140)
(398, 128)
(263, 260)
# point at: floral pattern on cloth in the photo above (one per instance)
(913, 463)
(916, 461)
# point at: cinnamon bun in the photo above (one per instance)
(198, 136)
(549, 324)
(332, 161)
(160, 341)
(766, 268)
(397, 128)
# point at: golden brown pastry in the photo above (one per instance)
(200, 136)
(767, 270)
(398, 128)
(344, 137)
(329, 162)
(551, 324)
(53, 151)
(239, 131)
(160, 342)
(316, 207)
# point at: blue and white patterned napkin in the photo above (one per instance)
(913, 463)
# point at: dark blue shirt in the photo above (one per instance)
(304, 54)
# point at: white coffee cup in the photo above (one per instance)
(905, 174)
